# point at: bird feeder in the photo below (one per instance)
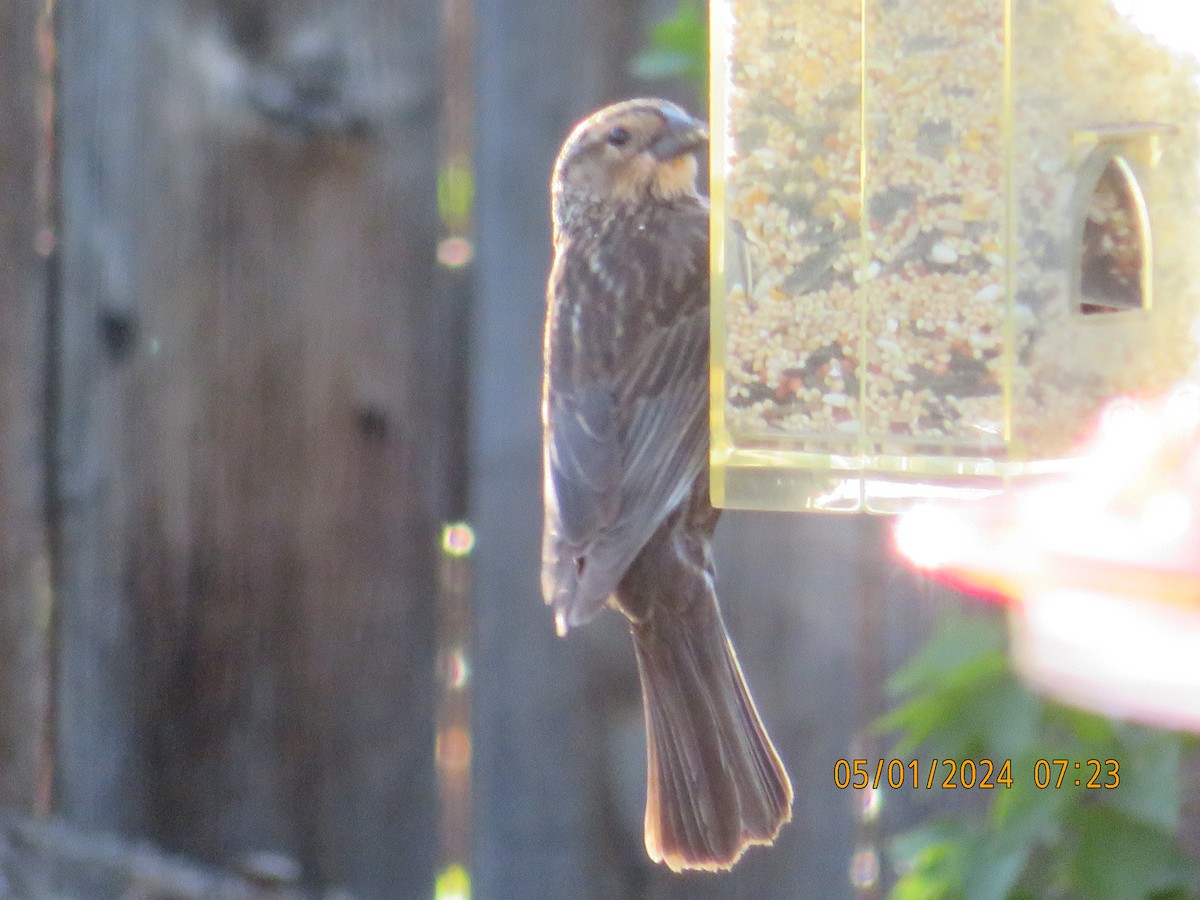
(945, 234)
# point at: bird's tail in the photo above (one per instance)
(714, 783)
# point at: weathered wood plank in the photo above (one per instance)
(48, 858)
(533, 764)
(250, 509)
(24, 561)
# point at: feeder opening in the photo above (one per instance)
(1114, 248)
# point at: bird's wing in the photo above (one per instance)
(625, 442)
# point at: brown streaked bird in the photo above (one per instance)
(628, 518)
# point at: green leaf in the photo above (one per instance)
(950, 717)
(953, 858)
(1149, 769)
(992, 872)
(909, 845)
(958, 644)
(660, 64)
(931, 859)
(678, 46)
(958, 698)
(924, 886)
(1013, 720)
(1086, 727)
(1027, 812)
(1119, 858)
(1021, 820)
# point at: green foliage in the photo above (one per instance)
(957, 698)
(678, 47)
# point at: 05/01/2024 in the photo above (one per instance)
(973, 774)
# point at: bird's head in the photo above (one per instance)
(629, 152)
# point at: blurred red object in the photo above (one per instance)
(1100, 568)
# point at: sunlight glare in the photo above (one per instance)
(1175, 25)
(932, 536)
(1115, 655)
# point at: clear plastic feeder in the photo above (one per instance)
(945, 234)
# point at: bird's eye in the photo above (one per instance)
(618, 137)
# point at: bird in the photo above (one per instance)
(628, 518)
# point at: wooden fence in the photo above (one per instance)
(226, 375)
(237, 408)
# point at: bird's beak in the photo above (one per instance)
(682, 135)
